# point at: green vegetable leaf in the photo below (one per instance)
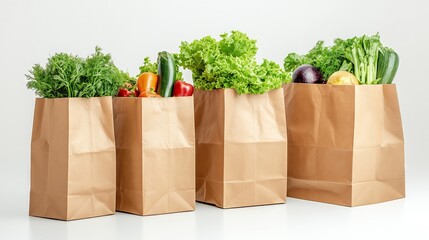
(237, 44)
(148, 66)
(293, 61)
(363, 54)
(230, 63)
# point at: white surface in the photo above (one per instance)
(30, 31)
(297, 219)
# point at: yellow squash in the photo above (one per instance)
(342, 78)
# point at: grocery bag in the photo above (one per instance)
(241, 148)
(345, 143)
(155, 147)
(73, 158)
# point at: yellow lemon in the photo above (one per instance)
(342, 78)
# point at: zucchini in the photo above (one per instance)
(167, 74)
(388, 62)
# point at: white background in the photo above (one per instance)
(31, 31)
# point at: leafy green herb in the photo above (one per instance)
(66, 75)
(230, 63)
(148, 66)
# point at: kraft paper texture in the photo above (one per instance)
(241, 148)
(155, 142)
(345, 143)
(73, 164)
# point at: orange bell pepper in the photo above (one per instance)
(147, 82)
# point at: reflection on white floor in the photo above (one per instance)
(297, 219)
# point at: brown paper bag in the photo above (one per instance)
(155, 142)
(241, 148)
(345, 143)
(72, 158)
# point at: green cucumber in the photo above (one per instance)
(388, 62)
(167, 74)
